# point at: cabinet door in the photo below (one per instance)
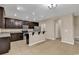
(13, 37)
(25, 22)
(1, 12)
(16, 36)
(19, 36)
(36, 23)
(13, 23)
(18, 24)
(9, 23)
(2, 24)
(32, 24)
(4, 45)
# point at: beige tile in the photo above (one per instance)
(54, 47)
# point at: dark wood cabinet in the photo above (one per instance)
(2, 20)
(1, 12)
(26, 22)
(13, 23)
(30, 24)
(18, 24)
(4, 44)
(16, 36)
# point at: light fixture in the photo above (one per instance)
(52, 6)
(33, 13)
(19, 8)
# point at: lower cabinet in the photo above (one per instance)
(27, 38)
(4, 45)
(16, 36)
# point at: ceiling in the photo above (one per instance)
(37, 12)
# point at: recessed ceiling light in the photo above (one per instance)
(51, 5)
(19, 8)
(33, 13)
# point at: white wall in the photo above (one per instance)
(58, 28)
(76, 26)
(67, 29)
(49, 28)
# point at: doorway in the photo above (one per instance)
(58, 30)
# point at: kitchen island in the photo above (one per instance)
(4, 42)
(34, 37)
(7, 36)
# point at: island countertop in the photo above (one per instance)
(5, 34)
(10, 30)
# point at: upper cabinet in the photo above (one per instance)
(18, 24)
(1, 12)
(2, 20)
(13, 23)
(30, 24)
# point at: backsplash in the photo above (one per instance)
(11, 30)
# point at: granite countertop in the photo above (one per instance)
(10, 30)
(5, 34)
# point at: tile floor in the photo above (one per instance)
(49, 47)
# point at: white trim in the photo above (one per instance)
(36, 42)
(51, 38)
(72, 43)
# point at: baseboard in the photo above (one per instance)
(36, 42)
(68, 42)
(50, 38)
